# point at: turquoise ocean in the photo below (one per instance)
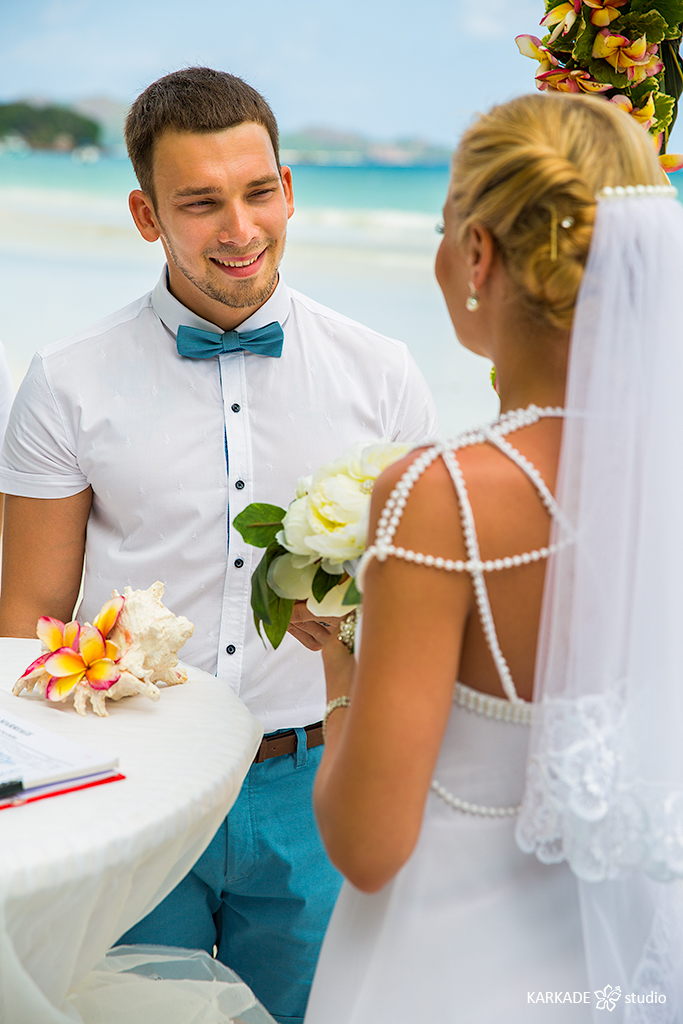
(418, 189)
(362, 240)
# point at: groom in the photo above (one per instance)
(132, 447)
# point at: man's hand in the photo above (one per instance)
(42, 560)
(311, 631)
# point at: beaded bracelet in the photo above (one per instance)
(338, 702)
(347, 631)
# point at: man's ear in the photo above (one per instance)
(287, 188)
(143, 214)
(480, 252)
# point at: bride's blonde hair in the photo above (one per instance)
(528, 166)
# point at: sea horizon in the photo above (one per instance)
(362, 241)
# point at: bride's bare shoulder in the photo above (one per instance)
(481, 465)
(434, 477)
(505, 504)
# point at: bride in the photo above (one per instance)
(421, 796)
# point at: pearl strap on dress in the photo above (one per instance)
(471, 808)
(383, 546)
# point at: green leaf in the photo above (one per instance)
(673, 76)
(664, 106)
(640, 92)
(280, 615)
(650, 24)
(257, 623)
(604, 72)
(260, 591)
(271, 611)
(671, 12)
(324, 581)
(583, 45)
(259, 523)
(353, 594)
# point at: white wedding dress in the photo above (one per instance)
(471, 930)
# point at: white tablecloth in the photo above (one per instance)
(77, 870)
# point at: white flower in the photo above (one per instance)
(303, 485)
(331, 604)
(328, 518)
(295, 529)
(291, 576)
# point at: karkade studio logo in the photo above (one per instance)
(607, 997)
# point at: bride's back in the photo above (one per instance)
(518, 222)
(510, 520)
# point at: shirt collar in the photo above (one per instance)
(173, 313)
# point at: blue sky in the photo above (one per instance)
(387, 69)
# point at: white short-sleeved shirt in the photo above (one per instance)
(175, 448)
(6, 391)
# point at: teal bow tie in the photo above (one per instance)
(196, 344)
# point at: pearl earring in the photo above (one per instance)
(472, 302)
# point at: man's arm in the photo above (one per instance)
(42, 559)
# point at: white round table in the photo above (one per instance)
(78, 869)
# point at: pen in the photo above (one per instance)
(8, 789)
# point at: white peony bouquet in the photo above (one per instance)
(313, 547)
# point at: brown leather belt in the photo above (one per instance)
(285, 743)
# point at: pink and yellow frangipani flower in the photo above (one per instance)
(108, 615)
(56, 634)
(94, 662)
(604, 11)
(671, 162)
(619, 51)
(531, 46)
(639, 72)
(570, 81)
(37, 667)
(563, 17)
(645, 115)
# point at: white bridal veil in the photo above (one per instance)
(605, 772)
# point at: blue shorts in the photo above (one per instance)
(263, 890)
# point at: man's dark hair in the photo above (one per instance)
(191, 100)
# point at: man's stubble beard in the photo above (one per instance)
(239, 295)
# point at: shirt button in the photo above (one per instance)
(230, 649)
(239, 484)
(235, 407)
(239, 562)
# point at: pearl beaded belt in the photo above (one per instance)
(517, 712)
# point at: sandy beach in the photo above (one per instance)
(69, 258)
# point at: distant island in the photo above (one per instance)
(325, 147)
(46, 127)
(95, 125)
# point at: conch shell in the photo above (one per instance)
(148, 634)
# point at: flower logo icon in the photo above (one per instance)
(607, 997)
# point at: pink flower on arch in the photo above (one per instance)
(562, 17)
(570, 81)
(645, 115)
(634, 58)
(531, 46)
(604, 11)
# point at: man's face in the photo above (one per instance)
(221, 212)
